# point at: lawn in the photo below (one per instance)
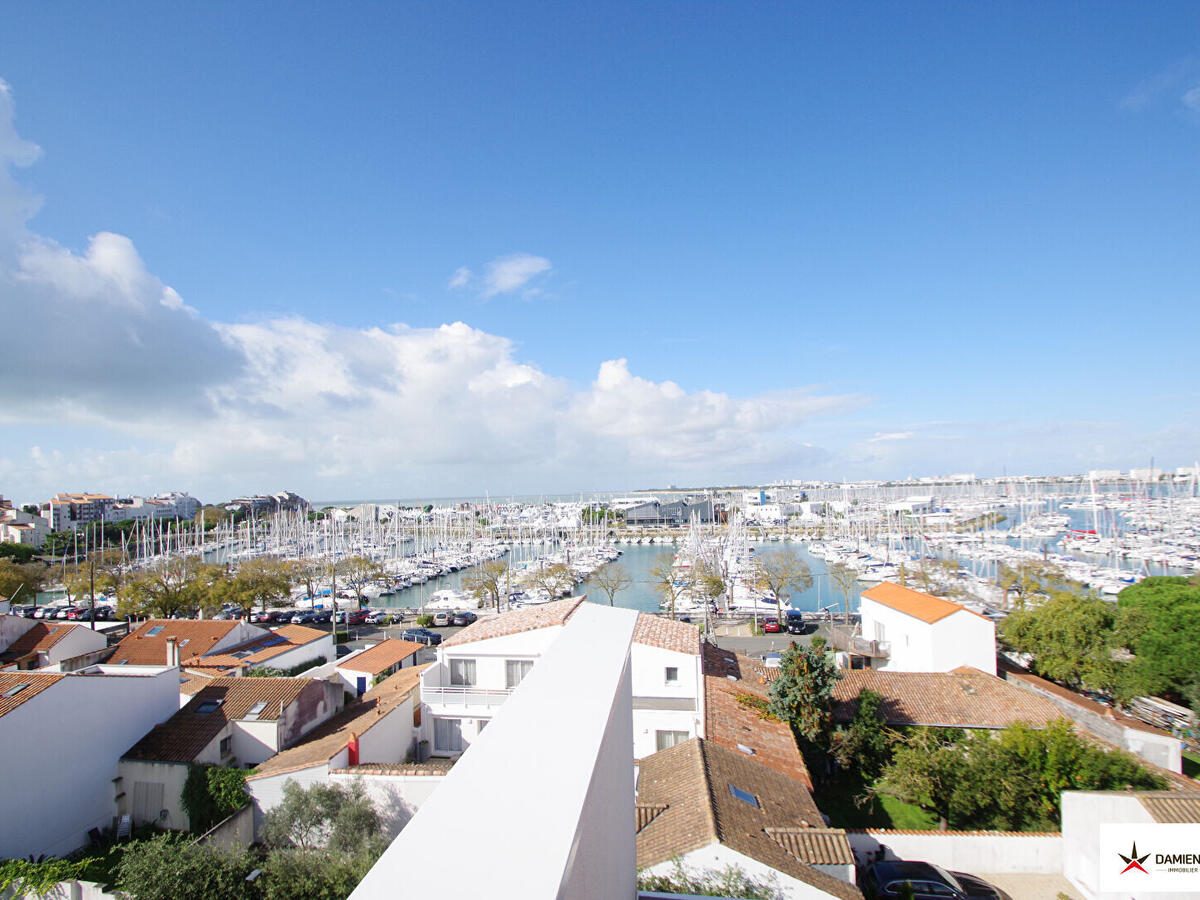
(836, 799)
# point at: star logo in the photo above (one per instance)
(1133, 861)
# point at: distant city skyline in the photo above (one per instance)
(464, 248)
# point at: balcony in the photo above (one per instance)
(458, 695)
(845, 637)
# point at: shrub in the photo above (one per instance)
(212, 793)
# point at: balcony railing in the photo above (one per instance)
(464, 695)
(845, 638)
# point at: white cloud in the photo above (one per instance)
(507, 274)
(1191, 99)
(460, 279)
(889, 436)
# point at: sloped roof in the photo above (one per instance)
(921, 606)
(141, 649)
(185, 735)
(529, 618)
(964, 698)
(730, 722)
(35, 682)
(325, 741)
(1171, 806)
(666, 634)
(1041, 685)
(38, 639)
(381, 657)
(257, 651)
(692, 785)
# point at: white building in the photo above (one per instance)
(32, 644)
(915, 632)
(285, 648)
(229, 721)
(478, 668)
(20, 527)
(158, 642)
(363, 670)
(72, 728)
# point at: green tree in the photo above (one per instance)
(170, 867)
(259, 582)
(730, 881)
(293, 874)
(801, 694)
(612, 579)
(864, 746)
(779, 572)
(172, 585)
(1159, 624)
(927, 767)
(487, 582)
(18, 553)
(212, 793)
(358, 572)
(553, 579)
(326, 816)
(1069, 637)
(21, 581)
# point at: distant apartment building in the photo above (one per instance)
(676, 512)
(67, 512)
(172, 505)
(259, 504)
(20, 527)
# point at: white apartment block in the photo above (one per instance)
(478, 668)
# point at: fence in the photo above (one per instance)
(993, 852)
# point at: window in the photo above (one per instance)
(665, 739)
(256, 709)
(447, 735)
(462, 671)
(207, 707)
(515, 671)
(226, 746)
(13, 691)
(744, 796)
(672, 675)
(155, 630)
(749, 751)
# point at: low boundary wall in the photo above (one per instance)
(994, 852)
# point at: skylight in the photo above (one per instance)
(185, 642)
(256, 709)
(749, 751)
(744, 797)
(207, 707)
(13, 691)
(155, 630)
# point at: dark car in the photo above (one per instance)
(794, 622)
(886, 880)
(464, 618)
(421, 636)
(771, 626)
(26, 611)
(304, 617)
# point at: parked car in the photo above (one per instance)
(304, 617)
(79, 614)
(356, 616)
(771, 626)
(65, 613)
(324, 617)
(464, 618)
(26, 611)
(795, 624)
(443, 618)
(886, 880)
(421, 636)
(379, 617)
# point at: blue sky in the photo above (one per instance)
(866, 240)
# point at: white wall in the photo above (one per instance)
(994, 852)
(255, 742)
(964, 639)
(960, 639)
(1083, 812)
(77, 729)
(397, 797)
(170, 775)
(77, 642)
(12, 627)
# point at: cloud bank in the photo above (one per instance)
(112, 382)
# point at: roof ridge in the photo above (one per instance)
(710, 808)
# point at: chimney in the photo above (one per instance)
(172, 652)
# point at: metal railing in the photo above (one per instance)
(845, 638)
(464, 695)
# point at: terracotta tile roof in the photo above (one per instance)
(1171, 807)
(921, 606)
(36, 681)
(325, 741)
(258, 650)
(530, 618)
(38, 639)
(432, 766)
(645, 813)
(729, 722)
(196, 683)
(691, 784)
(1041, 685)
(666, 634)
(185, 735)
(141, 649)
(815, 846)
(964, 698)
(381, 657)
